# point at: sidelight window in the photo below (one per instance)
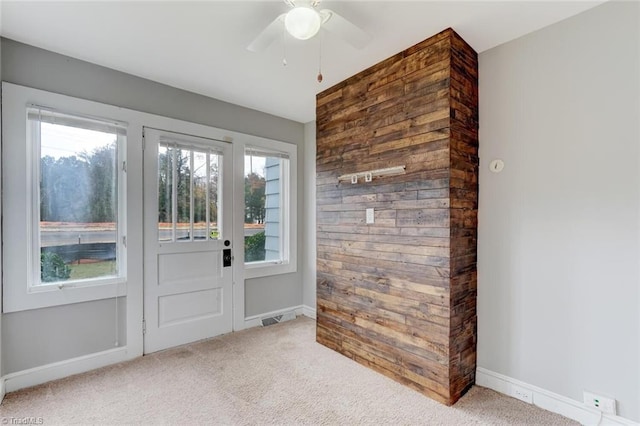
(269, 219)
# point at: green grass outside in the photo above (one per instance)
(92, 270)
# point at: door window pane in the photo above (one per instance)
(165, 193)
(200, 195)
(188, 181)
(214, 200)
(183, 205)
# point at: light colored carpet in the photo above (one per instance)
(271, 375)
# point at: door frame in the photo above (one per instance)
(237, 141)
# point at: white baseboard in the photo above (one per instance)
(308, 311)
(256, 320)
(549, 401)
(58, 370)
(2, 391)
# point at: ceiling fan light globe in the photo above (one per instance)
(302, 22)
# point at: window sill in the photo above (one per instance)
(266, 269)
(50, 295)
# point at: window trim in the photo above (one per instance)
(289, 264)
(20, 228)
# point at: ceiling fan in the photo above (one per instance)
(304, 21)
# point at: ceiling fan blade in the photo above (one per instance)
(344, 29)
(268, 35)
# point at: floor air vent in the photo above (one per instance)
(278, 318)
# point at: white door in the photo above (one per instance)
(187, 239)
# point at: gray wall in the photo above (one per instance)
(41, 69)
(273, 293)
(43, 336)
(558, 277)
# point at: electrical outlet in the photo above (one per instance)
(522, 394)
(599, 402)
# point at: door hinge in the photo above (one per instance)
(124, 166)
(124, 241)
(144, 327)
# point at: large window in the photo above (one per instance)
(268, 226)
(64, 177)
(75, 198)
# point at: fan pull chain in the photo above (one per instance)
(320, 57)
(284, 46)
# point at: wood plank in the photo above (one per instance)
(348, 235)
(413, 279)
(381, 144)
(427, 350)
(398, 268)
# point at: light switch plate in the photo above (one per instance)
(370, 216)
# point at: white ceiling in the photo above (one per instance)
(201, 46)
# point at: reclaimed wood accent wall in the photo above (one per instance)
(399, 295)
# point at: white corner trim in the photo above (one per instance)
(57, 370)
(256, 320)
(308, 311)
(2, 391)
(549, 401)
